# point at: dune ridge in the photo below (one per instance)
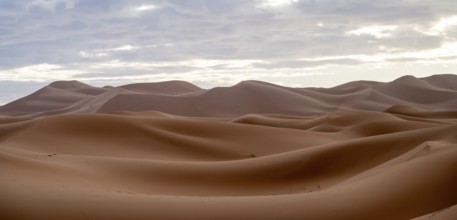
(362, 150)
(436, 92)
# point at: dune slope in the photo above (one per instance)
(151, 165)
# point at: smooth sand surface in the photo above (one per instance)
(60, 158)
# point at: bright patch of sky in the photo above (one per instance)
(145, 7)
(376, 31)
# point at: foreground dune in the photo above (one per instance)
(150, 165)
(171, 150)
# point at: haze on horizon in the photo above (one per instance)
(210, 43)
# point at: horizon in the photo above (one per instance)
(295, 43)
(101, 85)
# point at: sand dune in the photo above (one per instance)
(341, 165)
(181, 98)
(363, 150)
(444, 214)
(55, 96)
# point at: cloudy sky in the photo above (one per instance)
(298, 43)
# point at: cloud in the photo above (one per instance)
(214, 29)
(376, 31)
(275, 3)
(302, 64)
(38, 73)
(147, 7)
(69, 39)
(48, 4)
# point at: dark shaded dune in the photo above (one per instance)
(168, 88)
(448, 213)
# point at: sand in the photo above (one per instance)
(249, 97)
(171, 150)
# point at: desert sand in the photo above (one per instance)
(171, 150)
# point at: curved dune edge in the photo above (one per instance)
(347, 164)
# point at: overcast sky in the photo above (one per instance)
(298, 43)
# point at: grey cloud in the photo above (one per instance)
(300, 64)
(209, 29)
(108, 73)
(360, 11)
(407, 40)
(415, 59)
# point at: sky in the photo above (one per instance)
(297, 43)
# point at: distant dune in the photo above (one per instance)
(171, 150)
(437, 92)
